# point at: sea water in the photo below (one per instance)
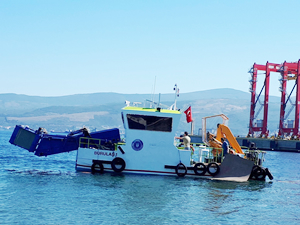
(48, 190)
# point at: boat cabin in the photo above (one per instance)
(149, 142)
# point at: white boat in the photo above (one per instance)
(150, 148)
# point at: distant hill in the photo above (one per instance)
(102, 110)
(18, 101)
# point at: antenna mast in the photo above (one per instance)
(152, 98)
(176, 89)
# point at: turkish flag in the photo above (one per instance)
(188, 113)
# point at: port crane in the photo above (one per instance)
(289, 71)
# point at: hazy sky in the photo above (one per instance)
(55, 48)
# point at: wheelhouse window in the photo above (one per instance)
(153, 123)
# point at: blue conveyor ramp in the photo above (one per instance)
(42, 143)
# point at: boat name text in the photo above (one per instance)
(112, 154)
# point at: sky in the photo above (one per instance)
(57, 48)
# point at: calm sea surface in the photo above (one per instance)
(39, 190)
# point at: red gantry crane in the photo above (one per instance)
(289, 71)
(254, 124)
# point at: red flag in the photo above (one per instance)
(188, 113)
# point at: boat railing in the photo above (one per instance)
(257, 156)
(213, 155)
(205, 154)
(202, 153)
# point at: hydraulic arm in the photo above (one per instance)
(224, 131)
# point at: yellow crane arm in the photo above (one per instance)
(224, 131)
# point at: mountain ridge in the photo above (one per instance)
(102, 110)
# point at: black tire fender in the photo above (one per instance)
(269, 174)
(259, 173)
(179, 167)
(253, 172)
(211, 166)
(116, 163)
(199, 169)
(97, 168)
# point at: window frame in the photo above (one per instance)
(148, 123)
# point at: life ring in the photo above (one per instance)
(180, 167)
(97, 168)
(199, 169)
(118, 164)
(213, 168)
(192, 149)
